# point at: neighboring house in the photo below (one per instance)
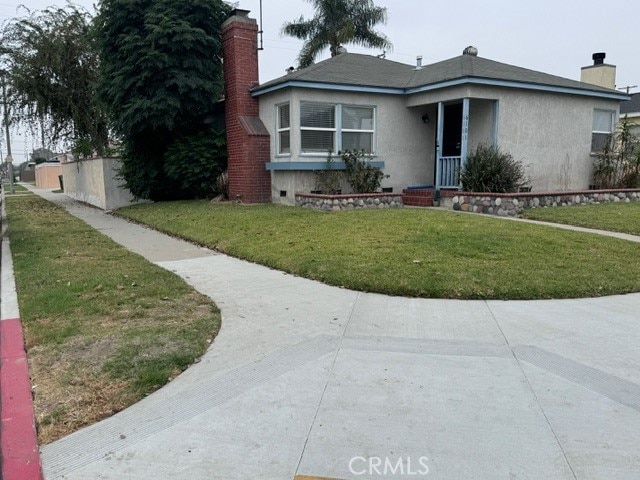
(419, 122)
(631, 110)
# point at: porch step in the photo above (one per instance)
(413, 197)
(422, 192)
(409, 201)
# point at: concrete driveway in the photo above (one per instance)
(308, 380)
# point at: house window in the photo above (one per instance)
(317, 127)
(284, 130)
(325, 126)
(357, 128)
(603, 121)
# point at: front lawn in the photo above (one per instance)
(617, 217)
(103, 326)
(411, 252)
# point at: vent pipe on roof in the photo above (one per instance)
(470, 50)
(419, 62)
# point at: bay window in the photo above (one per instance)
(336, 127)
(284, 129)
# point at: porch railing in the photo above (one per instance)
(449, 172)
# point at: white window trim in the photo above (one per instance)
(279, 130)
(338, 130)
(335, 129)
(612, 114)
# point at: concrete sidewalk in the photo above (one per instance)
(308, 379)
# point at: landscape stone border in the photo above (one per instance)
(512, 204)
(336, 203)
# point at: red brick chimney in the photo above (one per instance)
(247, 138)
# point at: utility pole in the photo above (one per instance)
(628, 87)
(9, 158)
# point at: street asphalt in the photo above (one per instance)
(309, 380)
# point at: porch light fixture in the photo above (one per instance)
(425, 118)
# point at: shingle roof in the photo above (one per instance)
(351, 69)
(631, 106)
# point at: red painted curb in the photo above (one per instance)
(18, 439)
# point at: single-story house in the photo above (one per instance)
(419, 123)
(631, 110)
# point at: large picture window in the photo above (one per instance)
(335, 127)
(603, 121)
(284, 130)
(317, 127)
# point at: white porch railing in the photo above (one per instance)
(449, 172)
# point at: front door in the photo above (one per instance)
(451, 145)
(452, 130)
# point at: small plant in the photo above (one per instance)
(222, 185)
(82, 148)
(328, 180)
(361, 175)
(488, 169)
(618, 164)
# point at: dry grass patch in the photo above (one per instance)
(103, 327)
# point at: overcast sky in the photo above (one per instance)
(552, 36)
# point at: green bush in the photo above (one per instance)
(328, 179)
(488, 169)
(618, 164)
(194, 163)
(361, 175)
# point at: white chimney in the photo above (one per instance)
(600, 73)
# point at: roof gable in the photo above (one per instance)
(352, 71)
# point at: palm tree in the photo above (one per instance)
(338, 22)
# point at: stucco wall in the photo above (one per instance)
(94, 181)
(481, 113)
(551, 135)
(549, 132)
(47, 175)
(402, 140)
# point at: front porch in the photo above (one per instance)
(460, 125)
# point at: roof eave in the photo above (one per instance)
(344, 87)
(612, 95)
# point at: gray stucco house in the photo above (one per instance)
(421, 122)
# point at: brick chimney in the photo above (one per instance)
(248, 142)
(600, 73)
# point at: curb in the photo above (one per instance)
(19, 451)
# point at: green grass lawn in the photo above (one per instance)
(411, 252)
(103, 326)
(617, 217)
(16, 188)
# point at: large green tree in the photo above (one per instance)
(51, 67)
(161, 71)
(335, 24)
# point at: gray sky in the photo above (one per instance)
(552, 36)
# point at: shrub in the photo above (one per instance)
(618, 164)
(361, 175)
(488, 169)
(194, 163)
(328, 180)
